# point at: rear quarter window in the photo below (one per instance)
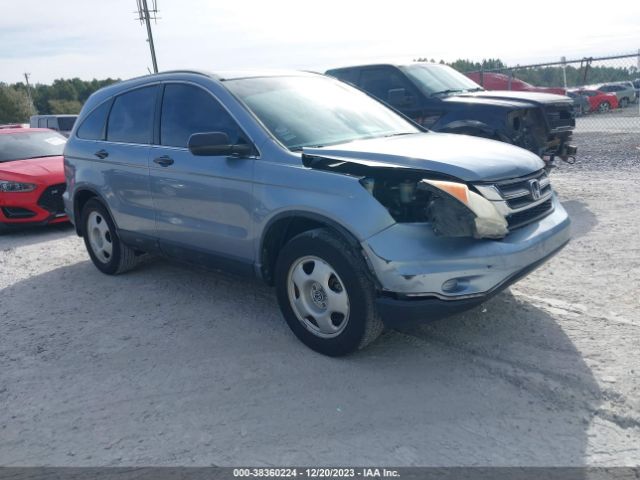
(92, 127)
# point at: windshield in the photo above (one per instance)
(23, 145)
(316, 111)
(439, 79)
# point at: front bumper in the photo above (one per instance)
(423, 275)
(31, 208)
(402, 312)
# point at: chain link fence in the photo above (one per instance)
(605, 90)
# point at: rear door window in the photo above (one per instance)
(187, 109)
(131, 117)
(51, 123)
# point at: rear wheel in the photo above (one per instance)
(106, 250)
(326, 294)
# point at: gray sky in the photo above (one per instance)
(91, 38)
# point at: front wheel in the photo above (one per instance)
(624, 102)
(107, 252)
(326, 294)
(604, 107)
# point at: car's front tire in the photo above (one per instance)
(105, 248)
(604, 107)
(326, 294)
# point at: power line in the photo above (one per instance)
(145, 15)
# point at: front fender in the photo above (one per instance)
(471, 127)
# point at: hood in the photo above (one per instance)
(51, 168)
(470, 159)
(511, 95)
(464, 100)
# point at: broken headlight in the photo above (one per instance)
(457, 211)
(452, 209)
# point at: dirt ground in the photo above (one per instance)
(167, 365)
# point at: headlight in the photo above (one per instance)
(487, 221)
(14, 187)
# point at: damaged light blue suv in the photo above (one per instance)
(358, 217)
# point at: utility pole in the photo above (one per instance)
(31, 106)
(564, 70)
(145, 15)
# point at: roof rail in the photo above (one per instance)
(196, 72)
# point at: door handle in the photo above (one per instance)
(101, 154)
(163, 161)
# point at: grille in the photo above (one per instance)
(51, 198)
(532, 214)
(518, 192)
(17, 212)
(560, 116)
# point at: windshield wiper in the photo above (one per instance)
(445, 92)
(398, 134)
(477, 89)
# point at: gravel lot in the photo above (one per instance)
(171, 366)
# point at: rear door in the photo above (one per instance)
(203, 203)
(113, 151)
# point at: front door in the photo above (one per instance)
(203, 203)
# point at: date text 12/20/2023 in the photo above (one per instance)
(315, 472)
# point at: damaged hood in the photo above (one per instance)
(537, 98)
(470, 159)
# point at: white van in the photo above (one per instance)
(59, 123)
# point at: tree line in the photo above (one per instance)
(62, 96)
(577, 75)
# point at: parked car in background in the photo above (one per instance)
(636, 86)
(358, 216)
(624, 91)
(59, 123)
(500, 81)
(581, 105)
(599, 101)
(442, 99)
(31, 176)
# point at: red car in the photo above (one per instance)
(31, 176)
(599, 101)
(500, 81)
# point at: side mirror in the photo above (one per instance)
(216, 144)
(398, 97)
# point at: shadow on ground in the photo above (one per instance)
(24, 236)
(170, 366)
(582, 218)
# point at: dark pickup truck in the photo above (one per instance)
(442, 99)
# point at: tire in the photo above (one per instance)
(604, 107)
(107, 252)
(319, 268)
(624, 102)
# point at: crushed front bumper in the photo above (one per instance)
(422, 275)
